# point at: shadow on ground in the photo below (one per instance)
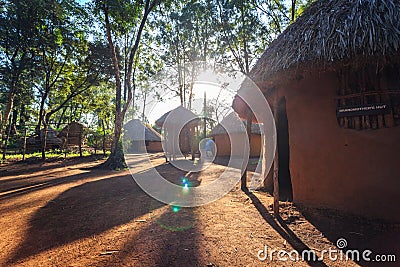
(381, 238)
(361, 234)
(282, 229)
(101, 204)
(38, 176)
(83, 211)
(30, 165)
(224, 161)
(171, 239)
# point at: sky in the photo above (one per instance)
(220, 88)
(206, 82)
(156, 109)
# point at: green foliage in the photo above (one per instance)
(56, 64)
(302, 5)
(49, 155)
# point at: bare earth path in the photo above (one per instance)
(67, 213)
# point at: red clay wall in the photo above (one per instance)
(350, 170)
(223, 144)
(154, 147)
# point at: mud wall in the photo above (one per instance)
(154, 146)
(223, 143)
(345, 169)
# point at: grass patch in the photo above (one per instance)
(54, 154)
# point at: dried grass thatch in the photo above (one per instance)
(335, 32)
(183, 113)
(75, 133)
(136, 131)
(34, 142)
(236, 123)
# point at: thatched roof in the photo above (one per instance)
(75, 132)
(236, 123)
(136, 131)
(73, 129)
(335, 32)
(51, 137)
(183, 112)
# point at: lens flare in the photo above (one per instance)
(175, 221)
(220, 87)
(175, 209)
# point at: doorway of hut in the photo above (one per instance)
(282, 127)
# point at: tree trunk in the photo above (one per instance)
(14, 130)
(191, 86)
(293, 9)
(24, 145)
(245, 48)
(144, 105)
(104, 137)
(11, 95)
(6, 139)
(61, 117)
(9, 106)
(41, 110)
(116, 159)
(44, 139)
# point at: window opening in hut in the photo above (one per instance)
(368, 98)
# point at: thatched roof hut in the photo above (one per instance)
(333, 34)
(332, 80)
(235, 123)
(73, 134)
(141, 138)
(137, 131)
(34, 142)
(179, 130)
(180, 113)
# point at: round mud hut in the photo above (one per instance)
(139, 138)
(332, 81)
(179, 131)
(224, 141)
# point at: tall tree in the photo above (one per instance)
(66, 63)
(187, 32)
(18, 28)
(243, 34)
(275, 15)
(121, 17)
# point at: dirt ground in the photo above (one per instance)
(70, 213)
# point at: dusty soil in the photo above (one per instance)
(70, 213)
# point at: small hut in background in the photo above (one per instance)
(332, 80)
(140, 138)
(180, 127)
(34, 142)
(223, 141)
(73, 135)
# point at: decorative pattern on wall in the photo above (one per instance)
(368, 97)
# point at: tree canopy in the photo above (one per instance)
(93, 61)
